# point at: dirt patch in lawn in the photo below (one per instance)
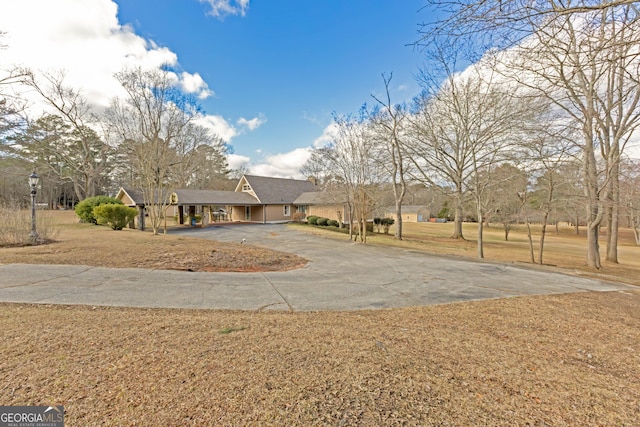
(544, 360)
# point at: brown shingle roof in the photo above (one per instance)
(199, 197)
(274, 191)
(214, 197)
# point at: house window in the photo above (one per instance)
(246, 187)
(302, 208)
(287, 210)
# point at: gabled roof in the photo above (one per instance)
(274, 191)
(130, 197)
(192, 197)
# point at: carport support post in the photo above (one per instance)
(141, 218)
(181, 215)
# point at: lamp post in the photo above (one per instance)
(33, 183)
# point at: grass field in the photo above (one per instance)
(559, 360)
(563, 250)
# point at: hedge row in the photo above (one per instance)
(318, 220)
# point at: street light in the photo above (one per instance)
(33, 183)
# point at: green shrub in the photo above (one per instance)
(333, 223)
(312, 219)
(323, 221)
(84, 209)
(386, 224)
(116, 216)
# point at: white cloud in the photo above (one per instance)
(252, 124)
(84, 38)
(328, 136)
(193, 83)
(218, 125)
(226, 130)
(222, 8)
(237, 161)
(86, 41)
(283, 165)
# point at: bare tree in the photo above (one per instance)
(500, 24)
(152, 119)
(546, 155)
(389, 121)
(583, 56)
(12, 105)
(85, 154)
(579, 67)
(350, 159)
(200, 159)
(71, 155)
(507, 182)
(630, 186)
(461, 127)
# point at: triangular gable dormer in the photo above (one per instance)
(130, 197)
(245, 187)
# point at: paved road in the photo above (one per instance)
(340, 275)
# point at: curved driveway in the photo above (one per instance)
(340, 275)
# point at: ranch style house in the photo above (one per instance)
(256, 199)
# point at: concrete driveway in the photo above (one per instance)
(340, 275)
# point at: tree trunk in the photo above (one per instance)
(593, 247)
(507, 229)
(480, 232)
(398, 232)
(523, 200)
(594, 197)
(613, 216)
(531, 253)
(457, 223)
(543, 233)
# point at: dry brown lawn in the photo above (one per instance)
(537, 361)
(86, 244)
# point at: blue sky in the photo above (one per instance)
(274, 71)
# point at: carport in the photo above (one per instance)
(210, 203)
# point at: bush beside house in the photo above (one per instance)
(84, 209)
(116, 216)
